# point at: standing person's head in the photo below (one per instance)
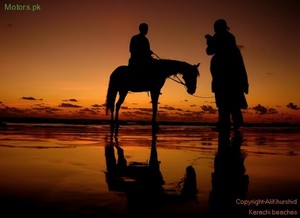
(220, 26)
(143, 28)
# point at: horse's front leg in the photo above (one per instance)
(112, 122)
(122, 96)
(154, 99)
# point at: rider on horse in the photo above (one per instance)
(141, 59)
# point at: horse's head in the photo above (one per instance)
(190, 79)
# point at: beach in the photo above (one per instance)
(67, 170)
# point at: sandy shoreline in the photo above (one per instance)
(60, 170)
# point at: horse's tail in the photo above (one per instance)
(110, 98)
(111, 95)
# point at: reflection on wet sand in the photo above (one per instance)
(229, 181)
(58, 170)
(142, 182)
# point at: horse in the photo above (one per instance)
(122, 80)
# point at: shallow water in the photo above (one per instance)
(74, 171)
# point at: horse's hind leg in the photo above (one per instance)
(122, 96)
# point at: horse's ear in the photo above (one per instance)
(197, 65)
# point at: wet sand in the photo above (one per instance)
(54, 170)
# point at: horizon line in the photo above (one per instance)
(88, 121)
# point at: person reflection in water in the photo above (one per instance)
(229, 179)
(229, 76)
(143, 182)
(189, 189)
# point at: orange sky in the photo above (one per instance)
(56, 62)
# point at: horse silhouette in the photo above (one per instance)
(124, 79)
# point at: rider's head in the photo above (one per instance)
(143, 28)
(220, 25)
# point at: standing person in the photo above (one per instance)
(140, 50)
(229, 76)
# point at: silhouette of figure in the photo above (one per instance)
(229, 181)
(229, 76)
(189, 189)
(143, 182)
(140, 59)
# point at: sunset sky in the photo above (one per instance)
(56, 61)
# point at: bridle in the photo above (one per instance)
(176, 79)
(179, 81)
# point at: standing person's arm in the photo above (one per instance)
(210, 49)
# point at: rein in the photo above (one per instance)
(198, 96)
(178, 80)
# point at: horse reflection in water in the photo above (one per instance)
(143, 182)
(136, 179)
(229, 181)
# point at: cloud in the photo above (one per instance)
(71, 99)
(86, 111)
(262, 110)
(208, 109)
(145, 109)
(139, 111)
(98, 105)
(46, 109)
(292, 106)
(259, 109)
(12, 111)
(31, 99)
(272, 111)
(170, 108)
(68, 105)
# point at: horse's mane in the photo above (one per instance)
(175, 63)
(171, 66)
